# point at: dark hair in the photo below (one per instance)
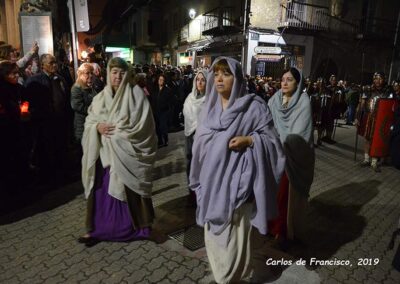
(222, 65)
(165, 79)
(295, 73)
(6, 67)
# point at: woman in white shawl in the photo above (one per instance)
(119, 145)
(191, 111)
(291, 112)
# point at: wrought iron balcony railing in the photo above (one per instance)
(300, 15)
(219, 21)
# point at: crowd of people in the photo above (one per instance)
(249, 142)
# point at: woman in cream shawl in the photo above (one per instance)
(291, 111)
(191, 111)
(236, 165)
(119, 145)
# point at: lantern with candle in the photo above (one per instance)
(24, 107)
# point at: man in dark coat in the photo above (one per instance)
(50, 114)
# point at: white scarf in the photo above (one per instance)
(192, 107)
(130, 151)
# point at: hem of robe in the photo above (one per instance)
(141, 209)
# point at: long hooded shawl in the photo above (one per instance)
(224, 179)
(130, 151)
(192, 106)
(294, 125)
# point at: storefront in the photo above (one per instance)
(185, 58)
(202, 61)
(122, 52)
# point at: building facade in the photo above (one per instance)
(166, 33)
(351, 39)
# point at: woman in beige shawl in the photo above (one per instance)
(119, 145)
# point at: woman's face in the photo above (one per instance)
(223, 82)
(86, 78)
(12, 77)
(288, 84)
(161, 81)
(117, 74)
(200, 83)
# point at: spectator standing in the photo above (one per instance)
(50, 111)
(82, 94)
(162, 103)
(12, 151)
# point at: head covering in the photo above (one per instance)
(294, 125)
(193, 105)
(224, 179)
(379, 74)
(130, 151)
(296, 74)
(214, 117)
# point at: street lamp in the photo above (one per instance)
(192, 13)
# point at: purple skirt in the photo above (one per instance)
(112, 218)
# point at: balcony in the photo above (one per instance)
(219, 22)
(302, 16)
(298, 15)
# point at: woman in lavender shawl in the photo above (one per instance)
(291, 111)
(236, 166)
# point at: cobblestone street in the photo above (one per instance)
(353, 212)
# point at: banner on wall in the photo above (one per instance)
(36, 27)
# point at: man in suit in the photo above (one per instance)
(50, 114)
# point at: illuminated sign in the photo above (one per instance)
(269, 58)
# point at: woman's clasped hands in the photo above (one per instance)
(239, 143)
(105, 129)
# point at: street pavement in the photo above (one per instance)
(351, 216)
